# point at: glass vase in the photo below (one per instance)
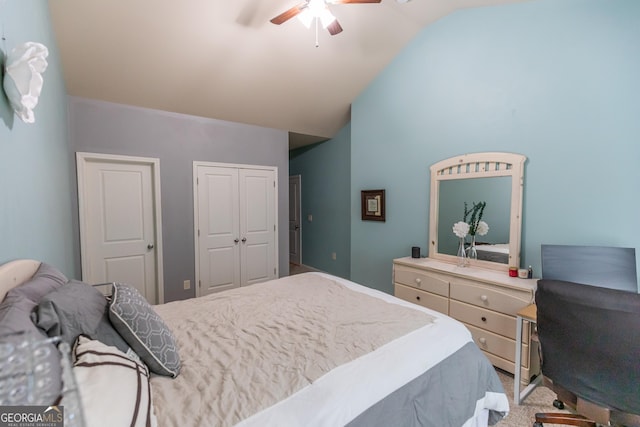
(471, 250)
(462, 256)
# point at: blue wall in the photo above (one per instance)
(557, 81)
(325, 170)
(35, 166)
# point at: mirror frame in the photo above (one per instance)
(480, 165)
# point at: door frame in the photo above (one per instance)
(82, 158)
(196, 218)
(298, 179)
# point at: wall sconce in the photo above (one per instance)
(23, 78)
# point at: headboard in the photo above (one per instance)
(15, 273)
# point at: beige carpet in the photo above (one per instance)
(523, 415)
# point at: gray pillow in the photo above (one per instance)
(45, 280)
(15, 311)
(17, 305)
(144, 330)
(14, 318)
(74, 309)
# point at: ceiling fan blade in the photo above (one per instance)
(286, 15)
(334, 28)
(352, 1)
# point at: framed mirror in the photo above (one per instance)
(491, 181)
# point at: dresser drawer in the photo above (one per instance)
(429, 282)
(498, 345)
(425, 299)
(486, 319)
(505, 300)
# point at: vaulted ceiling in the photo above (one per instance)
(223, 58)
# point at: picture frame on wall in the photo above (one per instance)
(373, 205)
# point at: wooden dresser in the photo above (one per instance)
(486, 301)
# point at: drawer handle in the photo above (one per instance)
(483, 341)
(418, 297)
(484, 319)
(418, 281)
(484, 298)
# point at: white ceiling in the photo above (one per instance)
(223, 58)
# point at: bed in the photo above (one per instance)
(305, 350)
(494, 252)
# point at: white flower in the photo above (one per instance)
(482, 228)
(460, 229)
(23, 78)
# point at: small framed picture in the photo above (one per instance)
(372, 205)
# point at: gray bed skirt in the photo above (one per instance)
(445, 395)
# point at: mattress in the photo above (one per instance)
(317, 350)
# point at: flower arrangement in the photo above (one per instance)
(476, 225)
(461, 229)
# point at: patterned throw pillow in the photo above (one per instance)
(15, 310)
(145, 331)
(114, 390)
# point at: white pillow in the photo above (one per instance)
(114, 389)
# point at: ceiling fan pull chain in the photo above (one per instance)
(317, 44)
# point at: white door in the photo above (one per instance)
(120, 225)
(235, 225)
(218, 228)
(257, 225)
(295, 235)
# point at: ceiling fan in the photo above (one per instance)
(317, 10)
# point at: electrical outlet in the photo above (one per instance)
(187, 284)
(333, 256)
(310, 218)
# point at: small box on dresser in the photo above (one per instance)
(486, 301)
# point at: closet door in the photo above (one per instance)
(257, 225)
(218, 228)
(235, 224)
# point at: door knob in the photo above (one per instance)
(150, 246)
(297, 227)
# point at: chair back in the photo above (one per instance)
(590, 342)
(608, 267)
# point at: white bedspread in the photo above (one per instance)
(285, 352)
(380, 372)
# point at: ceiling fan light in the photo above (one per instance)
(306, 17)
(316, 7)
(326, 18)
